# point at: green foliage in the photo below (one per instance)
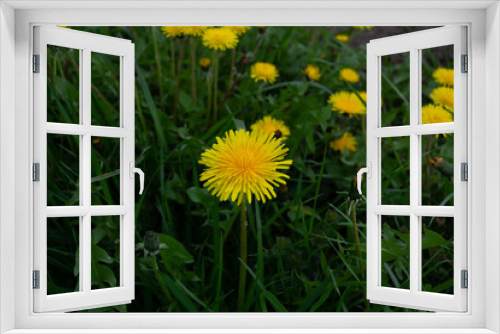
(302, 251)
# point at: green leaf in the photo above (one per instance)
(201, 196)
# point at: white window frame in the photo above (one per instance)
(483, 21)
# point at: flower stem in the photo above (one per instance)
(178, 80)
(209, 93)
(216, 83)
(243, 256)
(428, 166)
(193, 69)
(172, 56)
(233, 64)
(356, 237)
(158, 66)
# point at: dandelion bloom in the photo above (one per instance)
(171, 31)
(194, 31)
(264, 72)
(272, 126)
(346, 142)
(444, 76)
(349, 75)
(312, 72)
(435, 114)
(342, 38)
(238, 30)
(219, 39)
(443, 96)
(348, 103)
(205, 62)
(243, 164)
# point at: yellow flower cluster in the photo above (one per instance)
(349, 75)
(435, 114)
(243, 164)
(171, 31)
(346, 142)
(444, 76)
(312, 72)
(205, 62)
(238, 30)
(342, 38)
(348, 103)
(264, 72)
(219, 39)
(272, 126)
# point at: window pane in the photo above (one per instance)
(437, 169)
(105, 171)
(63, 83)
(437, 254)
(437, 85)
(105, 78)
(395, 170)
(395, 251)
(62, 255)
(395, 81)
(63, 169)
(105, 251)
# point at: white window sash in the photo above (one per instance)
(414, 297)
(86, 297)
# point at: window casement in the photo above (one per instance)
(419, 132)
(84, 210)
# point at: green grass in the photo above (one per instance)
(302, 252)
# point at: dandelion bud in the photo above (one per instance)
(443, 166)
(151, 241)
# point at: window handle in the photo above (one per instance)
(368, 171)
(141, 176)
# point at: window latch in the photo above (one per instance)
(368, 171)
(139, 171)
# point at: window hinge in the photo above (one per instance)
(465, 279)
(36, 279)
(465, 64)
(36, 172)
(36, 63)
(464, 168)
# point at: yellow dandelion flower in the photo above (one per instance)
(444, 76)
(435, 114)
(264, 72)
(205, 62)
(219, 39)
(238, 30)
(348, 103)
(272, 126)
(363, 27)
(342, 38)
(194, 31)
(349, 75)
(243, 164)
(64, 27)
(312, 72)
(346, 142)
(170, 31)
(443, 96)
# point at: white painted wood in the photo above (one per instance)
(414, 43)
(471, 322)
(7, 167)
(87, 44)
